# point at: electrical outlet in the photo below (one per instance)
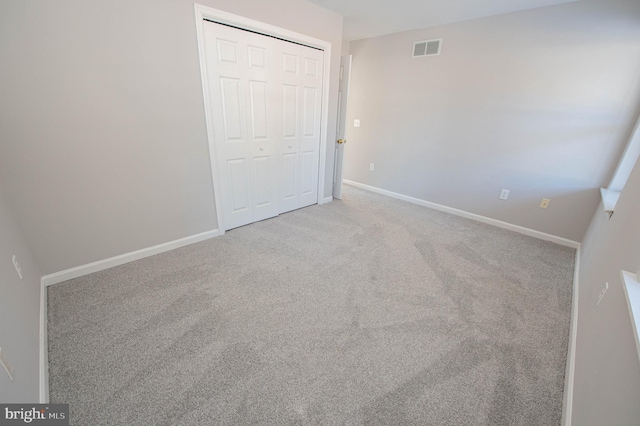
(5, 365)
(371, 166)
(504, 194)
(356, 123)
(544, 203)
(602, 293)
(17, 266)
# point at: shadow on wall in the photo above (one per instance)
(514, 101)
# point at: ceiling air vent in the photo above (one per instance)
(427, 48)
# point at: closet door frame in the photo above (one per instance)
(203, 13)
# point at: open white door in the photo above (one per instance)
(343, 94)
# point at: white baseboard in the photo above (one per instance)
(498, 223)
(100, 265)
(326, 200)
(90, 268)
(567, 404)
(44, 347)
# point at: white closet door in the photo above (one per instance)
(266, 107)
(240, 66)
(300, 82)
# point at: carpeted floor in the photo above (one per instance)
(367, 310)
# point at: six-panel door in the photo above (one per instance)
(266, 106)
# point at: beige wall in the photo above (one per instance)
(346, 45)
(103, 146)
(607, 369)
(19, 312)
(539, 102)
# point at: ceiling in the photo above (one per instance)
(371, 18)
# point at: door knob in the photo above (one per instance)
(341, 141)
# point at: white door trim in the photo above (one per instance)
(204, 12)
(341, 125)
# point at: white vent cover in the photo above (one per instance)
(427, 48)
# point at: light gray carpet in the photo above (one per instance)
(363, 311)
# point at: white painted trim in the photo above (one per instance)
(100, 265)
(208, 114)
(324, 124)
(569, 376)
(632, 292)
(573, 333)
(627, 160)
(473, 216)
(90, 268)
(609, 200)
(327, 200)
(202, 12)
(44, 346)
(217, 15)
